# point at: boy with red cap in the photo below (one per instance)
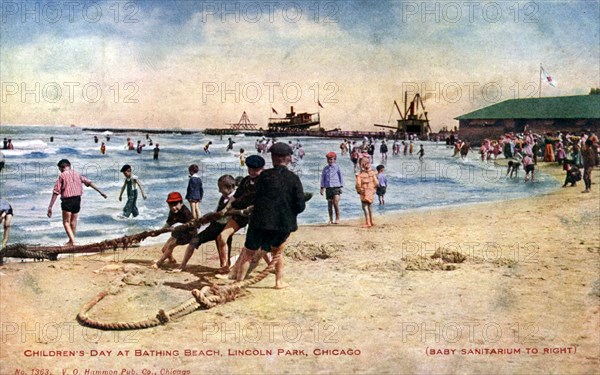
(332, 182)
(178, 213)
(226, 185)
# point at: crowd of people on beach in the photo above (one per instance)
(268, 201)
(572, 152)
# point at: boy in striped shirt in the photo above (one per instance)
(68, 186)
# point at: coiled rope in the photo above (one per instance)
(203, 299)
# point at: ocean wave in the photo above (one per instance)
(10, 153)
(40, 227)
(34, 144)
(145, 216)
(68, 151)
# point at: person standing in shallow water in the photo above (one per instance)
(68, 186)
(421, 153)
(529, 167)
(230, 143)
(381, 183)
(332, 183)
(383, 150)
(132, 183)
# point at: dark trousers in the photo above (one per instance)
(131, 207)
(587, 177)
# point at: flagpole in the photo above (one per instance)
(540, 91)
(319, 112)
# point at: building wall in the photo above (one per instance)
(475, 131)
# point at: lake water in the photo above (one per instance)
(31, 172)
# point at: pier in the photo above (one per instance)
(308, 133)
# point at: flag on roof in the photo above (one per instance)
(546, 77)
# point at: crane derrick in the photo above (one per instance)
(411, 121)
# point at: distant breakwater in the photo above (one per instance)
(149, 131)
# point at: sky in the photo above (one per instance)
(198, 64)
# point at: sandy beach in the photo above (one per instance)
(523, 298)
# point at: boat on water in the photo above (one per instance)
(294, 122)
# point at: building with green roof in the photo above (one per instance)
(573, 114)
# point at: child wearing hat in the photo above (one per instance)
(194, 190)
(366, 185)
(178, 213)
(132, 183)
(226, 184)
(68, 186)
(242, 201)
(278, 201)
(332, 183)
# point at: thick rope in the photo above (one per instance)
(204, 299)
(22, 251)
(51, 252)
